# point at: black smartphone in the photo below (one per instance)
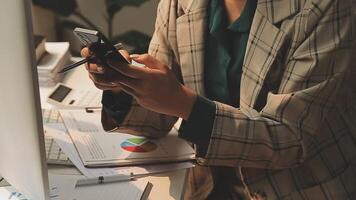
(102, 48)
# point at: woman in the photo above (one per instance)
(264, 89)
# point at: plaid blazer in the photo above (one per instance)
(294, 135)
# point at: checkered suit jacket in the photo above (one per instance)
(294, 135)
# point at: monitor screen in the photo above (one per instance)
(22, 150)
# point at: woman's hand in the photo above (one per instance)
(155, 87)
(103, 79)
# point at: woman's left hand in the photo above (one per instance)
(155, 87)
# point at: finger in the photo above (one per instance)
(129, 70)
(102, 87)
(94, 68)
(134, 84)
(129, 91)
(109, 76)
(85, 52)
(148, 61)
(102, 82)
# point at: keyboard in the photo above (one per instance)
(54, 153)
(51, 116)
(88, 98)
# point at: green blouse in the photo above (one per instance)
(224, 55)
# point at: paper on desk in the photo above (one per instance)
(132, 190)
(44, 93)
(61, 186)
(60, 189)
(59, 133)
(10, 193)
(97, 148)
(3, 182)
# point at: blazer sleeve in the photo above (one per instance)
(141, 121)
(283, 133)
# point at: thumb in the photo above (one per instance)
(148, 61)
(125, 54)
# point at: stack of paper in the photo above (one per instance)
(57, 58)
(40, 46)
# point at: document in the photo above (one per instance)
(133, 190)
(61, 186)
(65, 190)
(98, 148)
(3, 182)
(10, 193)
(62, 138)
(60, 189)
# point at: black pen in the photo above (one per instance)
(77, 64)
(85, 60)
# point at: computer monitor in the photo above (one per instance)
(22, 151)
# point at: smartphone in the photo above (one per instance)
(99, 45)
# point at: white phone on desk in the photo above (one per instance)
(66, 97)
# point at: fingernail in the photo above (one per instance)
(100, 69)
(133, 56)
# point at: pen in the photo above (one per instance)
(85, 60)
(92, 109)
(74, 65)
(104, 179)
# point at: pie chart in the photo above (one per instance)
(138, 145)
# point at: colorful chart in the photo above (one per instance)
(138, 145)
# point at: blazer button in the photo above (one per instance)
(201, 161)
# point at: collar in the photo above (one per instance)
(218, 21)
(274, 10)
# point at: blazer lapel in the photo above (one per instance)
(191, 28)
(264, 44)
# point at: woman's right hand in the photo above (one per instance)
(104, 79)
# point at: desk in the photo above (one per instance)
(166, 186)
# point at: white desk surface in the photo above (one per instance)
(166, 186)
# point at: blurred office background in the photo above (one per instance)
(129, 15)
(132, 20)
